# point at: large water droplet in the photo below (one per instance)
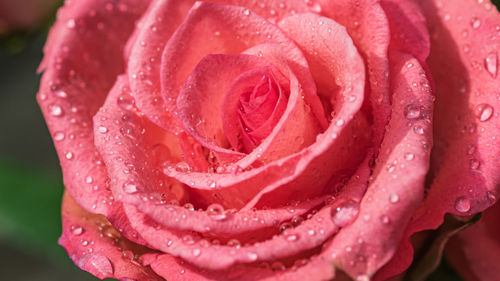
(409, 156)
(483, 112)
(102, 129)
(59, 136)
(76, 230)
(385, 219)
(129, 188)
(462, 204)
(491, 64)
(345, 213)
(412, 112)
(216, 212)
(394, 198)
(126, 102)
(55, 110)
(475, 23)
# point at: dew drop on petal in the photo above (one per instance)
(412, 112)
(462, 204)
(216, 212)
(475, 23)
(196, 252)
(394, 198)
(409, 156)
(483, 112)
(418, 130)
(385, 219)
(55, 110)
(344, 213)
(59, 136)
(76, 230)
(252, 256)
(102, 129)
(129, 188)
(491, 64)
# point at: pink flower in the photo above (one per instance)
(268, 140)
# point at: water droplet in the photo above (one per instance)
(491, 196)
(339, 123)
(291, 237)
(277, 266)
(216, 212)
(345, 213)
(126, 102)
(129, 188)
(196, 252)
(418, 130)
(55, 110)
(412, 111)
(474, 164)
(462, 204)
(88, 179)
(71, 24)
(76, 230)
(484, 112)
(61, 94)
(234, 243)
(491, 64)
(391, 168)
(284, 226)
(182, 167)
(471, 149)
(385, 219)
(188, 239)
(475, 23)
(189, 206)
(252, 256)
(102, 129)
(363, 277)
(69, 155)
(409, 156)
(394, 198)
(59, 136)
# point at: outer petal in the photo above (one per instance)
(398, 179)
(79, 72)
(475, 252)
(367, 24)
(95, 246)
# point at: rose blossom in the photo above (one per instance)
(272, 140)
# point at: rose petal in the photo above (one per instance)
(367, 25)
(95, 246)
(467, 123)
(310, 234)
(475, 252)
(398, 178)
(79, 71)
(474, 146)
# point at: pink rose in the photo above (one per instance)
(270, 140)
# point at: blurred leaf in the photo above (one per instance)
(30, 208)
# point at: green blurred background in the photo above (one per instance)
(30, 178)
